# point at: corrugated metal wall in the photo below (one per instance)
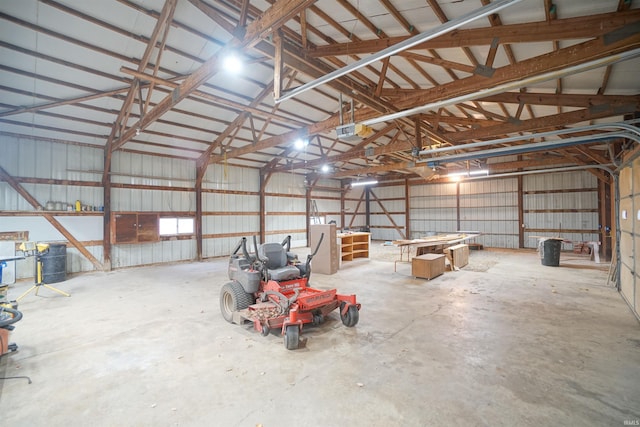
(629, 185)
(355, 208)
(388, 209)
(561, 204)
(26, 159)
(433, 209)
(327, 195)
(286, 209)
(129, 170)
(230, 205)
(491, 207)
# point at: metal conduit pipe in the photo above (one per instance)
(626, 125)
(451, 25)
(505, 87)
(525, 148)
(540, 171)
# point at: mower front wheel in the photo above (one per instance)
(233, 298)
(351, 317)
(265, 330)
(292, 337)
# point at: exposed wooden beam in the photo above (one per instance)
(244, 12)
(383, 74)
(553, 61)
(438, 61)
(354, 152)
(536, 161)
(277, 64)
(303, 28)
(219, 19)
(388, 215)
(122, 119)
(239, 107)
(567, 100)
(271, 19)
(237, 122)
(584, 27)
(540, 123)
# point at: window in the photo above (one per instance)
(174, 226)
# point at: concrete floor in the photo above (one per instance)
(504, 341)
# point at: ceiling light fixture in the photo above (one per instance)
(232, 63)
(325, 168)
(459, 175)
(300, 144)
(358, 183)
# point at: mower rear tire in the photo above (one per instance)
(351, 317)
(292, 337)
(233, 298)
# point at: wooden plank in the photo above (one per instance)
(14, 235)
(277, 64)
(539, 123)
(584, 27)
(274, 17)
(382, 75)
(553, 61)
(148, 227)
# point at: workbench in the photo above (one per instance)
(443, 240)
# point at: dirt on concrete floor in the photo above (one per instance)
(503, 341)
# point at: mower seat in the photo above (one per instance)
(277, 265)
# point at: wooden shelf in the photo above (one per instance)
(54, 213)
(354, 246)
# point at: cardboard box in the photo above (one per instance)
(327, 259)
(427, 266)
(458, 256)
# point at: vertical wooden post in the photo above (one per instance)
(303, 27)
(367, 207)
(520, 212)
(106, 214)
(342, 201)
(407, 209)
(458, 206)
(200, 172)
(308, 214)
(263, 222)
(604, 218)
(277, 64)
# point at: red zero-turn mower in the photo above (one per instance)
(270, 288)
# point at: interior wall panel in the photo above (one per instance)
(286, 209)
(230, 208)
(383, 224)
(25, 158)
(561, 204)
(490, 207)
(433, 209)
(629, 221)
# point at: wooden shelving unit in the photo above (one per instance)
(354, 246)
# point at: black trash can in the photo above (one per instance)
(54, 263)
(550, 252)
